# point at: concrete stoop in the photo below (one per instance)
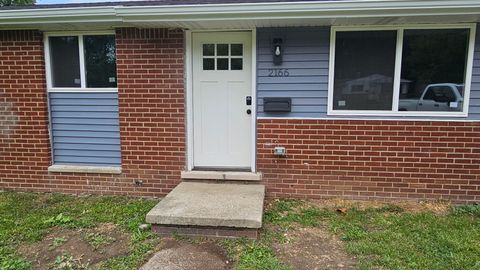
(210, 209)
(222, 176)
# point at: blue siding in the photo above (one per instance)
(306, 56)
(85, 128)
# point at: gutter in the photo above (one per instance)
(241, 11)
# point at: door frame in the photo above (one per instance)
(188, 67)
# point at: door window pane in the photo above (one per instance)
(237, 49)
(433, 69)
(100, 61)
(222, 63)
(222, 56)
(236, 64)
(64, 61)
(222, 49)
(364, 70)
(208, 49)
(208, 64)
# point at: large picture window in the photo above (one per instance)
(401, 71)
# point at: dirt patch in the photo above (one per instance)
(313, 249)
(82, 248)
(178, 255)
(437, 207)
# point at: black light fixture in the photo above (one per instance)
(277, 51)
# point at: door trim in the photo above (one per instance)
(189, 95)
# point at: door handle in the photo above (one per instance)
(249, 111)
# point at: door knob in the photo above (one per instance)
(249, 111)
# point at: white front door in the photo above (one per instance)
(221, 85)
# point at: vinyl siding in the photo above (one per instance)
(306, 56)
(85, 128)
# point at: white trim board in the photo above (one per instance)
(254, 101)
(189, 97)
(398, 58)
(371, 119)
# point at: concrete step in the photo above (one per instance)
(221, 176)
(209, 205)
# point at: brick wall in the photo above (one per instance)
(152, 106)
(24, 142)
(151, 100)
(371, 159)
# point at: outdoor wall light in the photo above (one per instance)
(277, 51)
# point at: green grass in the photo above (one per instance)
(253, 255)
(383, 238)
(27, 217)
(390, 238)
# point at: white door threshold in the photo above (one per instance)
(221, 175)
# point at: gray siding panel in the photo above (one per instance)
(85, 128)
(306, 56)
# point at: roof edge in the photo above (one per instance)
(277, 10)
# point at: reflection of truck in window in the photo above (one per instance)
(436, 97)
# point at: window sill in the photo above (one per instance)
(397, 114)
(84, 169)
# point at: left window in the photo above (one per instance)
(83, 99)
(82, 61)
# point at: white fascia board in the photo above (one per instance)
(58, 15)
(325, 9)
(278, 10)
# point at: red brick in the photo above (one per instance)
(25, 141)
(405, 163)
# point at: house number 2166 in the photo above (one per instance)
(278, 72)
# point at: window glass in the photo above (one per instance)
(222, 49)
(64, 61)
(236, 64)
(433, 66)
(208, 49)
(100, 61)
(208, 64)
(237, 49)
(222, 56)
(364, 70)
(222, 63)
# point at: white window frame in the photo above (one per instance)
(83, 82)
(398, 68)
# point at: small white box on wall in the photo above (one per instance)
(280, 151)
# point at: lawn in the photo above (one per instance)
(384, 236)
